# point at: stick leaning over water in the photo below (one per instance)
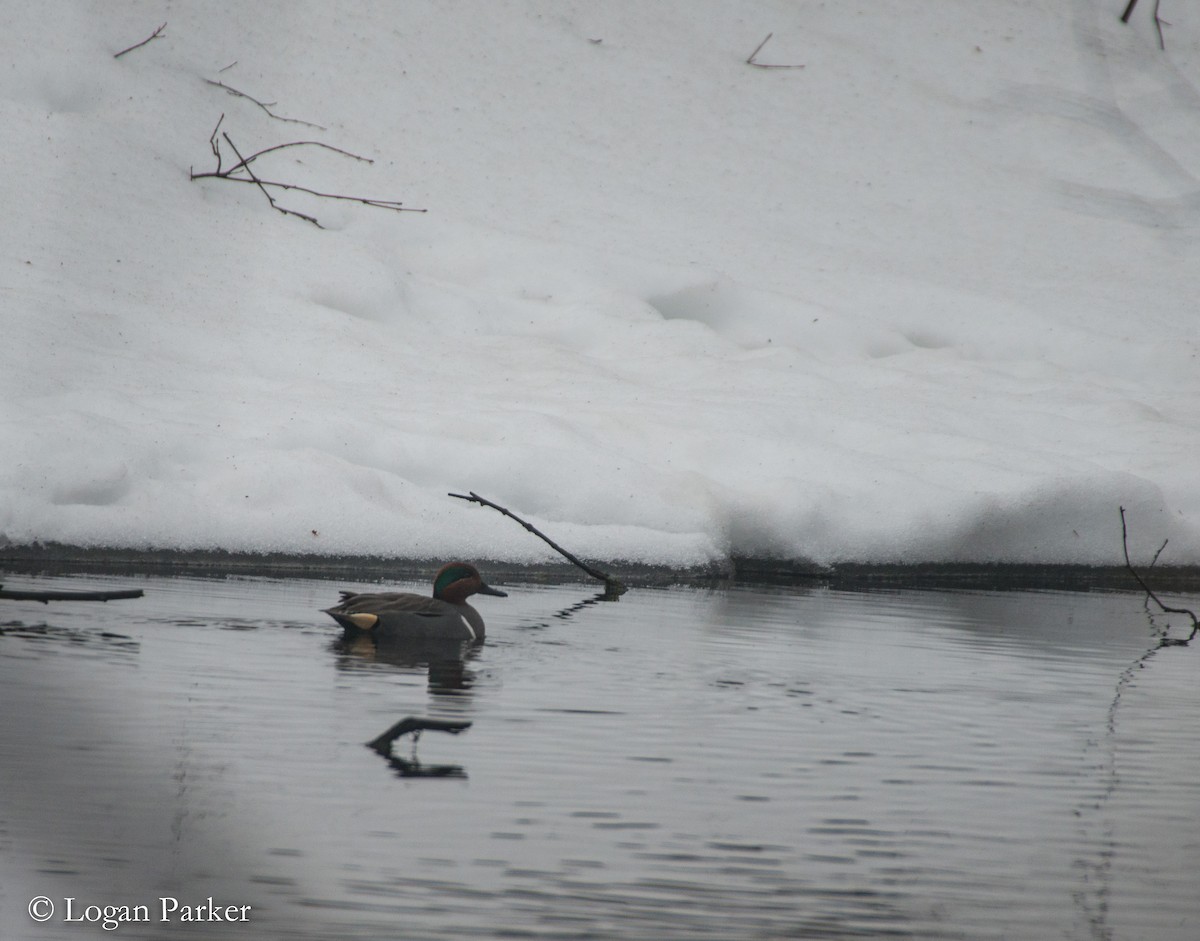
(1146, 588)
(613, 589)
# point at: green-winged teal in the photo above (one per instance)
(407, 616)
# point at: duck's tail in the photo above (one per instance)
(353, 622)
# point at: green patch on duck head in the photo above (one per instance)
(446, 581)
(458, 580)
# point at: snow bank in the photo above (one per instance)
(930, 298)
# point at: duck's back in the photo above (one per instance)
(401, 615)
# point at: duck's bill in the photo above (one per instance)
(489, 590)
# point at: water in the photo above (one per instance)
(726, 764)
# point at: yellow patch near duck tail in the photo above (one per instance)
(364, 622)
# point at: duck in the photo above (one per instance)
(401, 616)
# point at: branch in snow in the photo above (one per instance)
(265, 191)
(138, 45)
(1158, 20)
(265, 105)
(216, 147)
(246, 175)
(300, 143)
(763, 65)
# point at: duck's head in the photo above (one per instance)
(458, 581)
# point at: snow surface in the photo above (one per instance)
(931, 297)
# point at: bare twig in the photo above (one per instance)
(393, 205)
(265, 192)
(154, 35)
(763, 65)
(212, 142)
(301, 143)
(613, 589)
(1158, 20)
(758, 49)
(1150, 594)
(242, 166)
(265, 105)
(47, 596)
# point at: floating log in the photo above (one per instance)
(45, 597)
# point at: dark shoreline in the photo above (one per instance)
(75, 560)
